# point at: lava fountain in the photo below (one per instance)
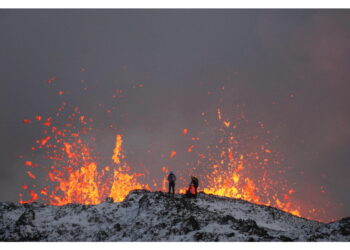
(74, 176)
(72, 173)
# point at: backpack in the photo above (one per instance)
(172, 177)
(192, 189)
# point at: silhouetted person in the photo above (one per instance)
(195, 183)
(171, 179)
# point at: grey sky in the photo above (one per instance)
(261, 56)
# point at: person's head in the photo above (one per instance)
(171, 172)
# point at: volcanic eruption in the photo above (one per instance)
(238, 162)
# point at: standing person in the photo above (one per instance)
(171, 179)
(195, 183)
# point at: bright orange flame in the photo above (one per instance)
(185, 131)
(117, 149)
(227, 123)
(219, 114)
(80, 187)
(123, 183)
(68, 150)
(172, 154)
(31, 175)
(165, 180)
(231, 173)
(48, 122)
(27, 121)
(33, 195)
(28, 163)
(74, 171)
(77, 179)
(190, 148)
(44, 141)
(84, 185)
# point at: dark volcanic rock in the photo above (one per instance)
(284, 238)
(157, 216)
(250, 226)
(227, 219)
(194, 223)
(344, 226)
(204, 236)
(117, 227)
(27, 218)
(101, 236)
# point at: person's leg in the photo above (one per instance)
(169, 187)
(173, 187)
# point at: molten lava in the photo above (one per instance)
(243, 175)
(235, 165)
(74, 176)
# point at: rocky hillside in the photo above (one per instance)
(156, 216)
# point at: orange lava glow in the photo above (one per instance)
(225, 167)
(74, 176)
(31, 175)
(27, 121)
(172, 154)
(28, 163)
(185, 131)
(117, 149)
(87, 186)
(244, 175)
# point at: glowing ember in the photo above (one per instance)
(185, 131)
(235, 164)
(243, 175)
(219, 114)
(80, 187)
(44, 141)
(117, 149)
(190, 148)
(123, 183)
(51, 79)
(172, 154)
(28, 163)
(73, 176)
(31, 175)
(27, 121)
(227, 123)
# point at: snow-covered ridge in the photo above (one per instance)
(157, 216)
